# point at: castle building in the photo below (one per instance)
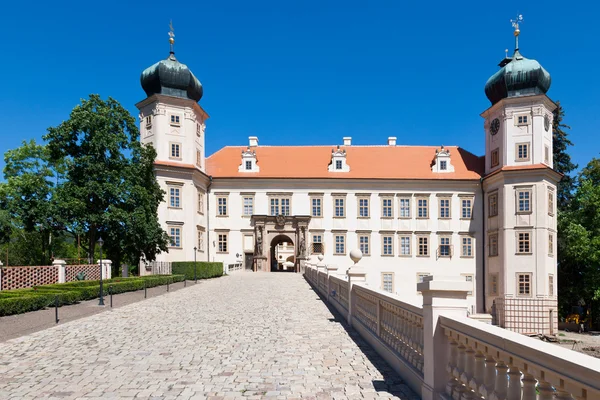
(413, 211)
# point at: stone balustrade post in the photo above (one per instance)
(331, 270)
(356, 274)
(106, 268)
(62, 270)
(441, 296)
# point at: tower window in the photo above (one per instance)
(522, 120)
(493, 205)
(524, 201)
(493, 245)
(198, 130)
(495, 161)
(494, 284)
(338, 164)
(522, 151)
(248, 165)
(149, 121)
(174, 197)
(524, 243)
(524, 282)
(175, 151)
(443, 165)
(198, 158)
(174, 120)
(546, 154)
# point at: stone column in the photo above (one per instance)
(356, 274)
(62, 270)
(106, 268)
(441, 296)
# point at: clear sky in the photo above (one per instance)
(300, 72)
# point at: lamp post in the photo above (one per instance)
(101, 301)
(195, 276)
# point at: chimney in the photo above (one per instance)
(347, 141)
(392, 141)
(253, 141)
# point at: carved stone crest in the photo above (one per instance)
(280, 220)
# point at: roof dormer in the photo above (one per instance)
(338, 161)
(249, 161)
(442, 162)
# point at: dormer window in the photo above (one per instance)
(174, 120)
(442, 162)
(338, 161)
(249, 161)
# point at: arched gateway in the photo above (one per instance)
(270, 230)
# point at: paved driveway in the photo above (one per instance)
(250, 335)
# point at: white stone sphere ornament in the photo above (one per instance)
(320, 257)
(356, 255)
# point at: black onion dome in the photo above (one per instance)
(171, 78)
(519, 76)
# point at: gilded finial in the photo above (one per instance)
(515, 24)
(505, 53)
(171, 35)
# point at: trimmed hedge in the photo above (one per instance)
(204, 270)
(25, 300)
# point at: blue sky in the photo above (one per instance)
(300, 72)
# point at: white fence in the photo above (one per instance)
(442, 354)
(159, 267)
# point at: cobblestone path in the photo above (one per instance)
(242, 336)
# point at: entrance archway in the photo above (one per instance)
(281, 252)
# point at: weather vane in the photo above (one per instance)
(171, 35)
(515, 24)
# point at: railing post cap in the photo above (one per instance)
(356, 271)
(332, 267)
(104, 261)
(55, 262)
(444, 284)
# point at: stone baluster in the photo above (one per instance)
(355, 274)
(467, 375)
(478, 374)
(514, 383)
(546, 391)
(458, 371)
(487, 388)
(452, 361)
(528, 390)
(562, 395)
(501, 385)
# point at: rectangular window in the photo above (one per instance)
(444, 249)
(198, 158)
(524, 284)
(340, 244)
(363, 207)
(466, 208)
(495, 161)
(443, 165)
(404, 208)
(223, 245)
(222, 206)
(363, 244)
(405, 245)
(175, 151)
(387, 282)
(387, 210)
(248, 206)
(316, 210)
(339, 207)
(466, 246)
(174, 120)
(493, 205)
(546, 154)
(493, 245)
(174, 197)
(551, 285)
(423, 246)
(280, 205)
(494, 284)
(551, 244)
(524, 243)
(550, 202)
(422, 208)
(248, 165)
(198, 130)
(522, 120)
(522, 151)
(317, 244)
(201, 202)
(175, 237)
(388, 245)
(285, 206)
(201, 239)
(149, 121)
(523, 201)
(338, 164)
(444, 208)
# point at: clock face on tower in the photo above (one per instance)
(546, 122)
(495, 126)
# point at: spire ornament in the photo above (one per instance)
(171, 36)
(515, 24)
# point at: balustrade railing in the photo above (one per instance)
(477, 361)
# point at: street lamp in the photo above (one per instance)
(101, 301)
(195, 276)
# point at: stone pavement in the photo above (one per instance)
(250, 335)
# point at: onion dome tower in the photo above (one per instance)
(518, 76)
(171, 78)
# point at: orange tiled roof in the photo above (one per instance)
(365, 162)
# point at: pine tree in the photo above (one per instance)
(562, 159)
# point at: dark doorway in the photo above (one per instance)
(249, 261)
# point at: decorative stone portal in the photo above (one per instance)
(270, 230)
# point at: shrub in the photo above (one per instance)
(204, 270)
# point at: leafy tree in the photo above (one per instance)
(562, 159)
(108, 188)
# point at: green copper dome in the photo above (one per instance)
(171, 78)
(519, 76)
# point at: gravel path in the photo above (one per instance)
(250, 335)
